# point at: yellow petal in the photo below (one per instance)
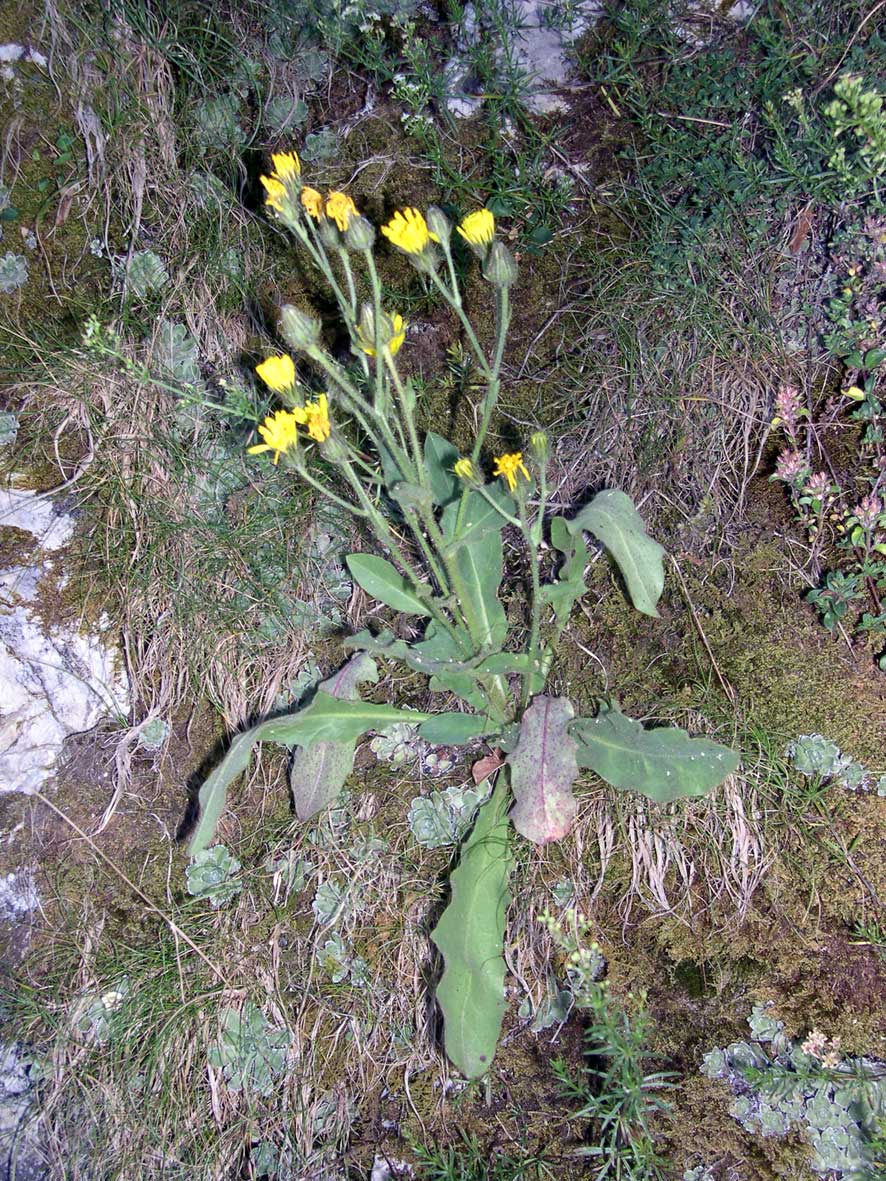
(278, 373)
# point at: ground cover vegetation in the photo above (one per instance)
(674, 292)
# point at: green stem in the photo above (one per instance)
(356, 407)
(456, 294)
(385, 535)
(458, 308)
(515, 521)
(492, 391)
(430, 557)
(408, 416)
(380, 400)
(321, 488)
(494, 388)
(317, 251)
(529, 534)
(349, 276)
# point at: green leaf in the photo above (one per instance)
(452, 729)
(470, 937)
(427, 656)
(318, 773)
(612, 518)
(450, 677)
(543, 770)
(325, 719)
(479, 519)
(664, 763)
(440, 457)
(873, 358)
(480, 565)
(570, 583)
(411, 496)
(381, 580)
(389, 469)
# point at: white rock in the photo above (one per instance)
(34, 513)
(16, 53)
(541, 49)
(54, 679)
(18, 895)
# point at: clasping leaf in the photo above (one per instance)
(612, 518)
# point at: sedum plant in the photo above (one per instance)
(780, 1085)
(211, 875)
(437, 524)
(249, 1050)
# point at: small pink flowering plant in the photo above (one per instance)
(845, 517)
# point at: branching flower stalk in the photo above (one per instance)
(334, 233)
(440, 522)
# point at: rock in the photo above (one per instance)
(540, 40)
(55, 680)
(20, 1156)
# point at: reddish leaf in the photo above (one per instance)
(543, 770)
(484, 767)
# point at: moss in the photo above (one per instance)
(703, 1132)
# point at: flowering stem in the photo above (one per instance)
(492, 392)
(456, 294)
(315, 248)
(406, 410)
(321, 488)
(456, 305)
(501, 512)
(380, 400)
(349, 276)
(428, 551)
(399, 454)
(386, 535)
(535, 627)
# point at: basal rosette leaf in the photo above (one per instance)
(317, 773)
(479, 565)
(543, 770)
(326, 719)
(663, 763)
(470, 937)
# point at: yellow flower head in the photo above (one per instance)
(392, 332)
(315, 415)
(280, 433)
(478, 228)
(341, 209)
(408, 231)
(287, 166)
(276, 192)
(508, 466)
(465, 470)
(312, 201)
(278, 373)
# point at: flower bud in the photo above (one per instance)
(360, 234)
(328, 233)
(500, 268)
(438, 224)
(299, 329)
(466, 471)
(333, 449)
(541, 447)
